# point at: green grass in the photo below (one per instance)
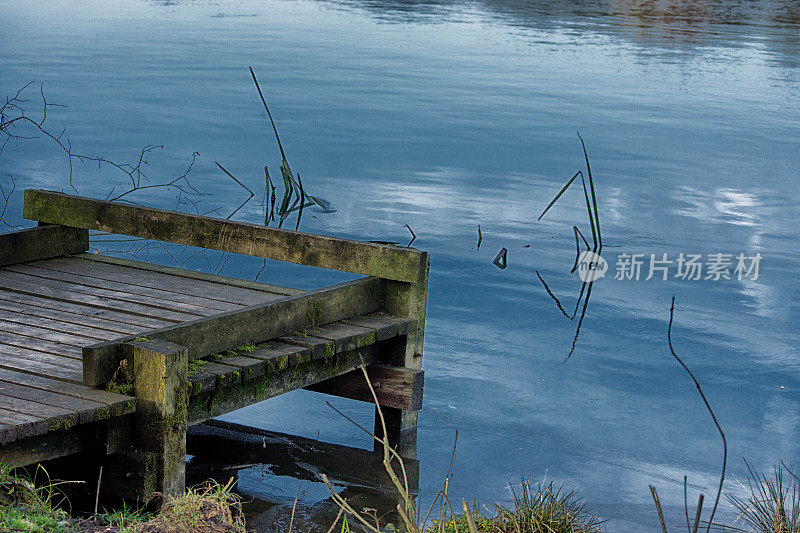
(119, 388)
(125, 519)
(25, 507)
(458, 524)
(541, 508)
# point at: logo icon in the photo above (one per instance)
(591, 267)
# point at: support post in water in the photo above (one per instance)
(160, 378)
(407, 300)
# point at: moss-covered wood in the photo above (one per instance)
(291, 350)
(369, 259)
(253, 324)
(41, 243)
(160, 385)
(32, 405)
(226, 399)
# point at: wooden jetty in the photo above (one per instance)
(117, 358)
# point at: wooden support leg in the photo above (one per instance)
(401, 425)
(155, 463)
(405, 299)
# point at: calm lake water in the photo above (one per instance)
(446, 116)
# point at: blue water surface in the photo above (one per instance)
(450, 116)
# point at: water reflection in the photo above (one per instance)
(671, 23)
(271, 469)
(720, 205)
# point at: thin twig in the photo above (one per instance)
(294, 506)
(97, 494)
(468, 515)
(711, 411)
(699, 512)
(658, 508)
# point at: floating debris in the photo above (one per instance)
(480, 238)
(500, 260)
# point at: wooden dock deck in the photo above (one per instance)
(180, 347)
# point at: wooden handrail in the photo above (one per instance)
(387, 262)
(41, 243)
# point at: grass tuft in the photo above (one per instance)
(209, 508)
(541, 508)
(123, 519)
(773, 505)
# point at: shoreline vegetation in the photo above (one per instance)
(29, 504)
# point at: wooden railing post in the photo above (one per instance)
(160, 377)
(409, 300)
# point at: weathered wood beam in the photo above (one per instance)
(390, 262)
(397, 388)
(43, 242)
(106, 437)
(226, 399)
(253, 324)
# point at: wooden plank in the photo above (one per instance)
(120, 286)
(131, 302)
(41, 364)
(318, 348)
(226, 399)
(89, 333)
(224, 374)
(345, 336)
(41, 243)
(200, 381)
(57, 417)
(46, 347)
(39, 333)
(395, 387)
(18, 425)
(124, 319)
(390, 262)
(94, 325)
(252, 325)
(101, 302)
(277, 355)
(119, 404)
(248, 367)
(87, 410)
(240, 290)
(41, 368)
(386, 326)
